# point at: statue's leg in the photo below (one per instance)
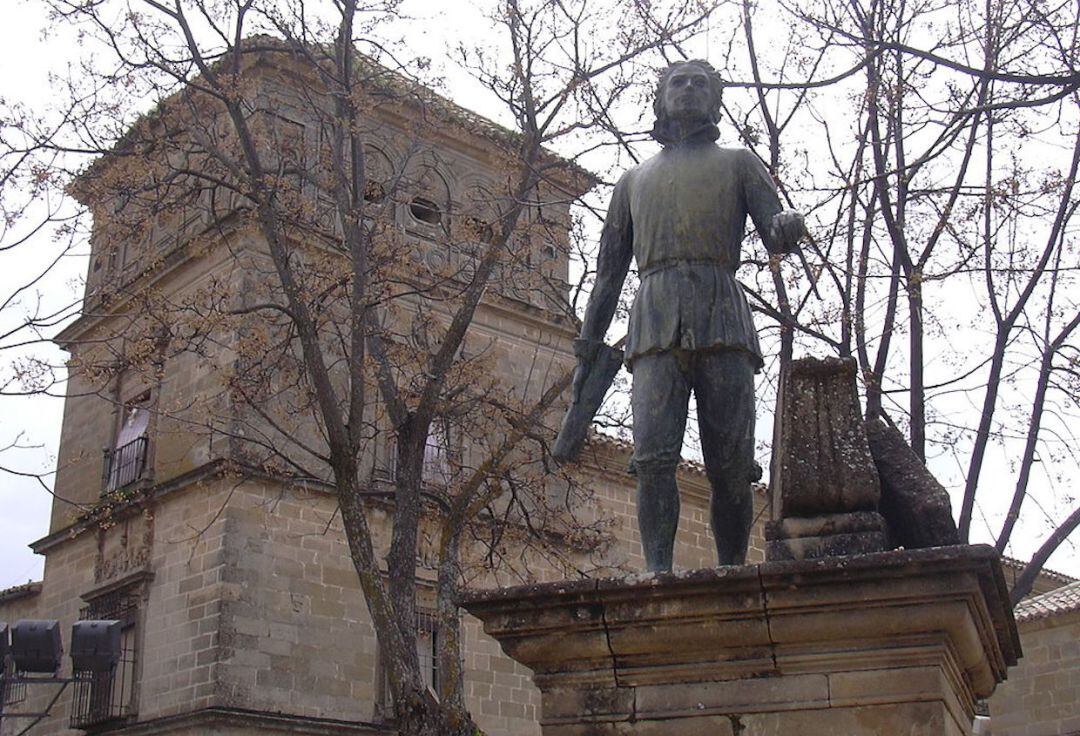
(724, 391)
(659, 400)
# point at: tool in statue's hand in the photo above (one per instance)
(597, 365)
(789, 227)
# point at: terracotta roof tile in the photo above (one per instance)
(1018, 566)
(20, 591)
(1062, 600)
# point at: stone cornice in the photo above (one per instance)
(775, 597)
(141, 576)
(91, 519)
(209, 720)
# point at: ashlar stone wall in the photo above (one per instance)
(1042, 695)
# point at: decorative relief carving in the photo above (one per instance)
(124, 546)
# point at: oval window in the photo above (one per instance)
(425, 210)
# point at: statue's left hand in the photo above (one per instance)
(787, 229)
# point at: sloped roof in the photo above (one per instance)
(1062, 600)
(695, 467)
(1045, 581)
(20, 591)
(380, 77)
(1018, 566)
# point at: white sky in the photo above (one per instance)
(26, 58)
(25, 62)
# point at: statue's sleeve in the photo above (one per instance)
(612, 263)
(762, 202)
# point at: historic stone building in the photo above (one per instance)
(1042, 695)
(241, 610)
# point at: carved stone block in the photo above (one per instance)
(825, 487)
(824, 463)
(915, 505)
(832, 535)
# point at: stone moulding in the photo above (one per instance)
(223, 721)
(895, 639)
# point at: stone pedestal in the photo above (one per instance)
(899, 642)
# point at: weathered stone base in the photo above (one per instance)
(919, 719)
(899, 642)
(832, 535)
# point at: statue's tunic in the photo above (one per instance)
(682, 215)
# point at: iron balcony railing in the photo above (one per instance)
(124, 465)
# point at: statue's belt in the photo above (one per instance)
(668, 265)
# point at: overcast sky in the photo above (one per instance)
(25, 62)
(27, 55)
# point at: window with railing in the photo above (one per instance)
(125, 462)
(427, 651)
(436, 469)
(125, 465)
(11, 693)
(427, 648)
(101, 698)
(386, 460)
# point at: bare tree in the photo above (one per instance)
(944, 200)
(39, 240)
(336, 355)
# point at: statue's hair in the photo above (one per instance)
(716, 86)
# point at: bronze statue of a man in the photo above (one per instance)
(682, 215)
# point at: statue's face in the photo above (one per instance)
(687, 94)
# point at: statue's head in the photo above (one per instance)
(688, 91)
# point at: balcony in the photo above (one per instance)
(124, 465)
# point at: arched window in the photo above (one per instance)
(380, 175)
(480, 207)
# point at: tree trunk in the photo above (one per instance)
(422, 715)
(918, 384)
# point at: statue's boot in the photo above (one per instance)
(658, 516)
(731, 513)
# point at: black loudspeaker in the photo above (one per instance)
(35, 646)
(95, 646)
